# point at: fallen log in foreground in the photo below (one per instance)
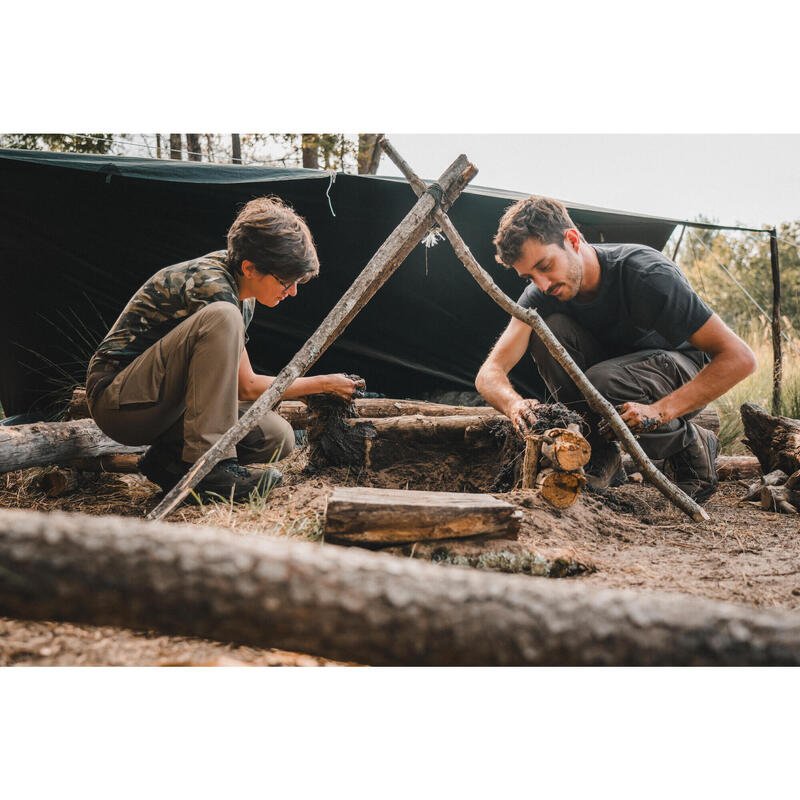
(358, 606)
(45, 443)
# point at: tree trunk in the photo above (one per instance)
(369, 153)
(775, 441)
(45, 443)
(236, 148)
(353, 605)
(176, 146)
(310, 150)
(193, 151)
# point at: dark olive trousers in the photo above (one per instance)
(644, 376)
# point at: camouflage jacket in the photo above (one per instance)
(163, 302)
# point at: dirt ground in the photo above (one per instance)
(629, 537)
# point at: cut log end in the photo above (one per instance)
(560, 489)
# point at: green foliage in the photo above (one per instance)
(747, 256)
(59, 142)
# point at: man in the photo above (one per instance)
(633, 324)
(173, 371)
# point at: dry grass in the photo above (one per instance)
(757, 389)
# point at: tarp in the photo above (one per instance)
(80, 233)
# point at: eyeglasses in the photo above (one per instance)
(286, 286)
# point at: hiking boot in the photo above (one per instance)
(229, 475)
(605, 466)
(161, 468)
(694, 468)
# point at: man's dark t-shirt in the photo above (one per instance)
(644, 302)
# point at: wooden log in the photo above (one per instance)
(779, 498)
(532, 318)
(775, 441)
(295, 412)
(113, 462)
(59, 481)
(425, 429)
(385, 261)
(530, 464)
(729, 468)
(560, 489)
(708, 418)
(565, 450)
(46, 443)
(381, 517)
(350, 604)
(793, 481)
(734, 468)
(775, 478)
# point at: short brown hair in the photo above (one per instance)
(541, 217)
(277, 240)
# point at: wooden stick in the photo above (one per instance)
(385, 261)
(596, 401)
(530, 466)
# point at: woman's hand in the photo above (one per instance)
(344, 386)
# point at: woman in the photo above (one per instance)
(173, 371)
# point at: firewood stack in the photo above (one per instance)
(776, 491)
(775, 441)
(553, 465)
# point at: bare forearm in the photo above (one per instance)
(259, 384)
(721, 374)
(495, 387)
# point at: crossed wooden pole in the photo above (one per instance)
(431, 207)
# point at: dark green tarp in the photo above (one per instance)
(79, 234)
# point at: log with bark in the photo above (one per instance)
(353, 605)
(46, 443)
(729, 468)
(775, 441)
(387, 517)
(295, 412)
(775, 491)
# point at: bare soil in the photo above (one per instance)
(628, 537)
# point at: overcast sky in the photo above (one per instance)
(735, 179)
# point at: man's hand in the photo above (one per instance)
(343, 386)
(641, 418)
(523, 415)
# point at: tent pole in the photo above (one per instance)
(678, 245)
(777, 354)
(596, 401)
